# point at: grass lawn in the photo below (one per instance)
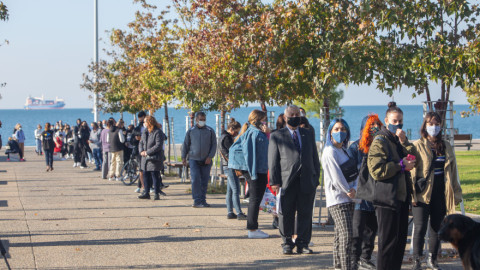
(469, 170)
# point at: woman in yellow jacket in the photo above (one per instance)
(439, 192)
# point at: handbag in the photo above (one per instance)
(421, 183)
(349, 169)
(366, 184)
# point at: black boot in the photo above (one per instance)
(145, 195)
(157, 197)
(417, 263)
(432, 262)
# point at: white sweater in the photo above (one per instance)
(336, 186)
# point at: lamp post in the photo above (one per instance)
(95, 53)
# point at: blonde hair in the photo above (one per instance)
(254, 118)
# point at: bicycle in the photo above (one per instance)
(130, 171)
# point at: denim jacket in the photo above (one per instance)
(250, 153)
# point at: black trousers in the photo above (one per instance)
(421, 213)
(152, 178)
(364, 233)
(392, 236)
(257, 190)
(295, 202)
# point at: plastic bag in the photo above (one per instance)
(269, 203)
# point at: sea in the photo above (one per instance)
(413, 117)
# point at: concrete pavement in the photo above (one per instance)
(72, 219)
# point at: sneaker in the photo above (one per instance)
(8, 159)
(231, 216)
(111, 179)
(241, 216)
(22, 159)
(83, 167)
(137, 190)
(247, 200)
(75, 165)
(152, 190)
(366, 265)
(198, 206)
(118, 179)
(257, 234)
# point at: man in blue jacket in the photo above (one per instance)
(199, 148)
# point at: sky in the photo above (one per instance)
(50, 45)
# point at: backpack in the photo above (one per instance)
(366, 184)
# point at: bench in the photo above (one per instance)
(180, 167)
(466, 140)
(223, 177)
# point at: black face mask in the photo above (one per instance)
(294, 121)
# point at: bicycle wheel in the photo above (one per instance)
(130, 173)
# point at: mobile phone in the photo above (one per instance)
(411, 157)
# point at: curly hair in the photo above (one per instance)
(367, 138)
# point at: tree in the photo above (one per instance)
(3, 17)
(425, 41)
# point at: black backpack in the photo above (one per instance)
(366, 184)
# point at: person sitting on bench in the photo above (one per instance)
(13, 148)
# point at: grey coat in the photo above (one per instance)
(152, 142)
(285, 163)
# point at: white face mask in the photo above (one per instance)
(433, 130)
(202, 123)
(145, 125)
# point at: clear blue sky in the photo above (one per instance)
(51, 45)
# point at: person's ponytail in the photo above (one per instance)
(244, 128)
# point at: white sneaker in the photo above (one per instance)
(257, 234)
(118, 179)
(152, 190)
(75, 165)
(137, 190)
(83, 167)
(111, 179)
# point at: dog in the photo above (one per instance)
(464, 234)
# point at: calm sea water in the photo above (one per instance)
(352, 114)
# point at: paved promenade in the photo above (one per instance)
(72, 219)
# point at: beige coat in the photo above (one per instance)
(453, 191)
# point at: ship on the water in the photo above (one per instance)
(35, 103)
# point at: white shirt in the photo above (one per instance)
(38, 133)
(336, 186)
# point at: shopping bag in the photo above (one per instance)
(269, 202)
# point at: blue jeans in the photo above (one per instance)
(97, 155)
(49, 157)
(233, 191)
(200, 176)
(38, 144)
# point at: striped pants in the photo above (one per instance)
(343, 256)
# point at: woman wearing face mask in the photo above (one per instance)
(389, 167)
(339, 192)
(436, 163)
(251, 158)
(233, 183)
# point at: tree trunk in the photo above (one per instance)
(429, 99)
(222, 120)
(192, 118)
(167, 128)
(264, 107)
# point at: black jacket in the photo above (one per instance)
(152, 143)
(225, 142)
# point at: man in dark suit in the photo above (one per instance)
(295, 168)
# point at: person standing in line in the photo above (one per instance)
(436, 163)
(389, 166)
(77, 152)
(339, 192)
(48, 146)
(294, 168)
(364, 219)
(233, 183)
(116, 139)
(20, 135)
(38, 140)
(137, 135)
(106, 156)
(151, 150)
(199, 148)
(96, 146)
(249, 154)
(84, 147)
(70, 141)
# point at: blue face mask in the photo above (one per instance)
(339, 137)
(393, 128)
